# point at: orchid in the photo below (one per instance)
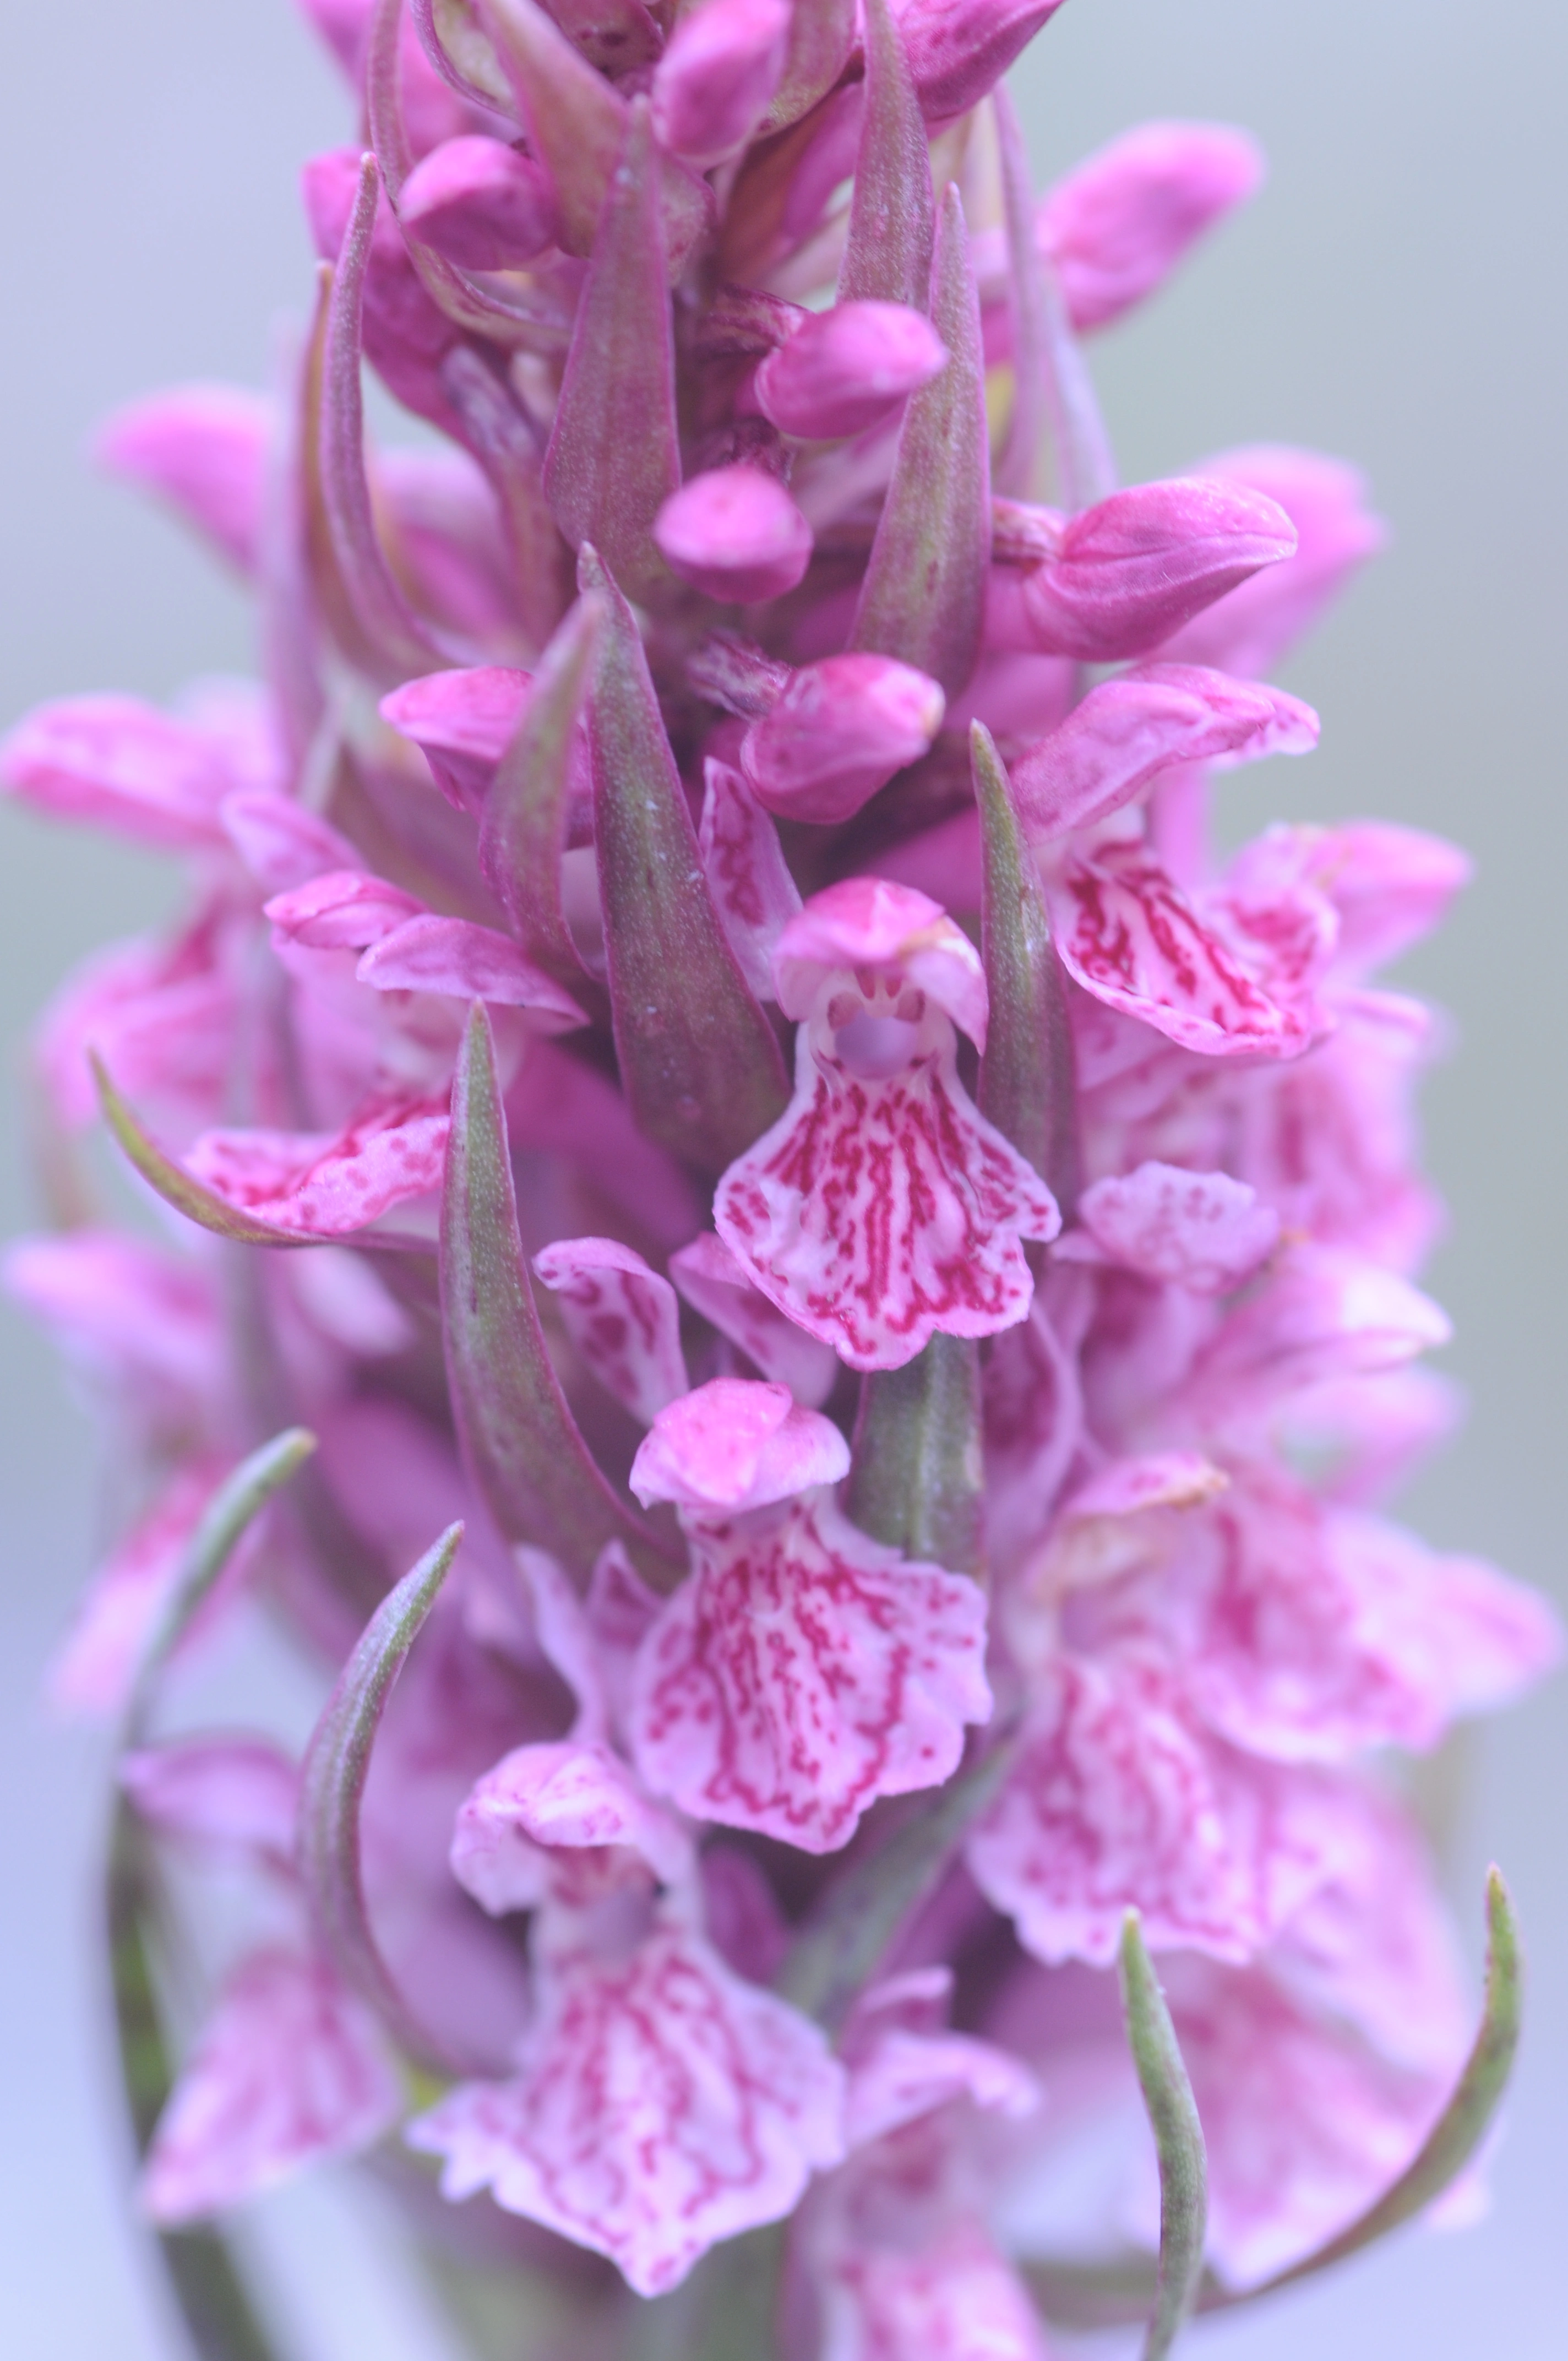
(713, 1081)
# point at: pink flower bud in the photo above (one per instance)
(736, 534)
(838, 733)
(843, 369)
(480, 203)
(1136, 566)
(712, 85)
(1119, 224)
(959, 50)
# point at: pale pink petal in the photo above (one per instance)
(900, 2075)
(202, 448)
(128, 1313)
(163, 1017)
(290, 2071)
(1320, 1315)
(237, 1795)
(838, 731)
(1110, 1526)
(127, 1599)
(316, 1185)
(718, 1285)
(122, 765)
(1250, 629)
(734, 1444)
(1390, 886)
(480, 203)
(842, 369)
(801, 1672)
(1119, 1801)
(1126, 731)
(1198, 1230)
(660, 2105)
(1120, 220)
(454, 956)
(282, 843)
(1128, 935)
(463, 723)
(950, 2297)
(341, 909)
(752, 887)
(622, 1318)
(520, 1836)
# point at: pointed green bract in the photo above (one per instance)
(522, 834)
(538, 1476)
(1178, 2140)
(575, 122)
(232, 1509)
(918, 1477)
(1020, 470)
(337, 1762)
(193, 1197)
(1111, 2294)
(887, 256)
(392, 643)
(1028, 1087)
(843, 1943)
(214, 2307)
(821, 35)
(924, 595)
(614, 456)
(1465, 2121)
(698, 1058)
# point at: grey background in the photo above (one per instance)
(1395, 295)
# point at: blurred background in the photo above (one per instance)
(1395, 295)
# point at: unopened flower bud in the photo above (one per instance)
(736, 534)
(1135, 567)
(479, 203)
(843, 369)
(838, 733)
(713, 83)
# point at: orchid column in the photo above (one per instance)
(713, 1099)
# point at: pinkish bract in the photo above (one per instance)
(710, 1061)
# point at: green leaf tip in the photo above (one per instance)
(1029, 1083)
(538, 1478)
(337, 1762)
(234, 1507)
(699, 1062)
(1178, 2140)
(1465, 2121)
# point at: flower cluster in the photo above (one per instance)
(957, 1440)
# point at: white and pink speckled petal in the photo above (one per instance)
(716, 1284)
(290, 2071)
(523, 1829)
(801, 1672)
(1200, 1230)
(622, 1317)
(661, 2104)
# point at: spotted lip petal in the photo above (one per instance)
(290, 2070)
(802, 1671)
(661, 2104)
(622, 1318)
(882, 1206)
